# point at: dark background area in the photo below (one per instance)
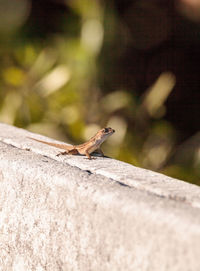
(69, 68)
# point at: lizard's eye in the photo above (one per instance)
(106, 130)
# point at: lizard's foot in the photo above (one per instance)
(62, 153)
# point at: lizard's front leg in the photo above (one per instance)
(99, 150)
(88, 155)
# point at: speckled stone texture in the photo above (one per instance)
(70, 213)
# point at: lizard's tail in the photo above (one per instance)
(60, 146)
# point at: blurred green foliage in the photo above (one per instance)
(53, 86)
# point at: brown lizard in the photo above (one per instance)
(86, 148)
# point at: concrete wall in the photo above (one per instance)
(69, 213)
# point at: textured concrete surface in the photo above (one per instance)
(69, 213)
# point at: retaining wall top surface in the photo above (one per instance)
(124, 173)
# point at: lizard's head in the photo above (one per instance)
(105, 133)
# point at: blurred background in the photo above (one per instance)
(71, 67)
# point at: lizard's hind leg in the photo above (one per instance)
(72, 151)
(62, 153)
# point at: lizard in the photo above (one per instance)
(93, 144)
